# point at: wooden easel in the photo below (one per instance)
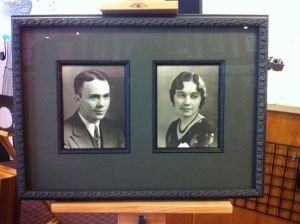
(139, 212)
(108, 7)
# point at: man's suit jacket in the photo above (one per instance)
(77, 136)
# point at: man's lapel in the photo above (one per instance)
(81, 135)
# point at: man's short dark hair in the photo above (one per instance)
(86, 76)
(177, 84)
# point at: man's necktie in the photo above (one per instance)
(97, 137)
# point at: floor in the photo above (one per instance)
(35, 212)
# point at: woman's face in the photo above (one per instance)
(187, 100)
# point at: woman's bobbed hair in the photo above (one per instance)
(185, 76)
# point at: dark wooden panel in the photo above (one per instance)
(283, 128)
(8, 201)
(179, 219)
(213, 218)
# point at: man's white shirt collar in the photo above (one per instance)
(90, 126)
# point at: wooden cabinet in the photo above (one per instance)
(8, 203)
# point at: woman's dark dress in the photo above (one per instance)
(199, 135)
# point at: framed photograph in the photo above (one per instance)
(165, 114)
(183, 123)
(93, 106)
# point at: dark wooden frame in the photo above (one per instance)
(39, 191)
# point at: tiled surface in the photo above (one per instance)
(35, 212)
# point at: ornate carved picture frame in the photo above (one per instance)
(235, 45)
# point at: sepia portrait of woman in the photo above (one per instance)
(192, 129)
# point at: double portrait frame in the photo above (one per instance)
(141, 57)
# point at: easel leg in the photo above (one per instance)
(149, 218)
(54, 219)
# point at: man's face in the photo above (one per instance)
(94, 100)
